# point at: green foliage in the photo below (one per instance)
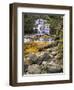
(55, 21)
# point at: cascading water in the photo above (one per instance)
(42, 29)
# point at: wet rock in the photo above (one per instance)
(51, 56)
(43, 57)
(54, 69)
(59, 56)
(54, 53)
(49, 50)
(52, 62)
(34, 69)
(40, 60)
(44, 62)
(46, 56)
(39, 54)
(33, 58)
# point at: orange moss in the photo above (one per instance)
(33, 47)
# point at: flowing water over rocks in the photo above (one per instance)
(43, 58)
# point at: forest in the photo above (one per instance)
(56, 22)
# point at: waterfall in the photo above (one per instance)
(42, 27)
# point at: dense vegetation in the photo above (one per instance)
(55, 22)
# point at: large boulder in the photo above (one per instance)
(54, 69)
(34, 69)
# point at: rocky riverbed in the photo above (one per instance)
(43, 57)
